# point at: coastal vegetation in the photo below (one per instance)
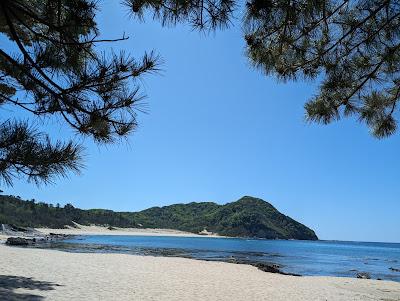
(247, 217)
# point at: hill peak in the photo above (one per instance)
(252, 199)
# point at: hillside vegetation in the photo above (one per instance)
(247, 217)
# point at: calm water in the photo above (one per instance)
(334, 258)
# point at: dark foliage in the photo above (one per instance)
(17, 212)
(202, 14)
(247, 217)
(25, 151)
(353, 45)
(53, 70)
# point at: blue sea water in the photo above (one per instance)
(329, 258)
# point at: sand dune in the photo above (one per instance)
(99, 230)
(33, 274)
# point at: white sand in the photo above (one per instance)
(79, 276)
(101, 230)
(98, 230)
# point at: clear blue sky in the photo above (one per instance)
(218, 129)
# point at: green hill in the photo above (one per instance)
(247, 217)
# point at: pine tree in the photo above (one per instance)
(53, 70)
(354, 46)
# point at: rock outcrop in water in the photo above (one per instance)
(247, 217)
(19, 241)
(363, 275)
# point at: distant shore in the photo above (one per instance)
(99, 230)
(102, 230)
(34, 274)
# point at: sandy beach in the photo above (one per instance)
(39, 274)
(99, 230)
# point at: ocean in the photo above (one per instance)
(315, 258)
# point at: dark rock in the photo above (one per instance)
(58, 236)
(18, 229)
(265, 267)
(51, 237)
(270, 268)
(363, 275)
(19, 241)
(55, 234)
(111, 228)
(394, 269)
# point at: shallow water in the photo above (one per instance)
(328, 258)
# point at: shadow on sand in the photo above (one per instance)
(8, 285)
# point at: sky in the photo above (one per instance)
(218, 129)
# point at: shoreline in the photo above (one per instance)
(61, 275)
(100, 230)
(44, 236)
(51, 239)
